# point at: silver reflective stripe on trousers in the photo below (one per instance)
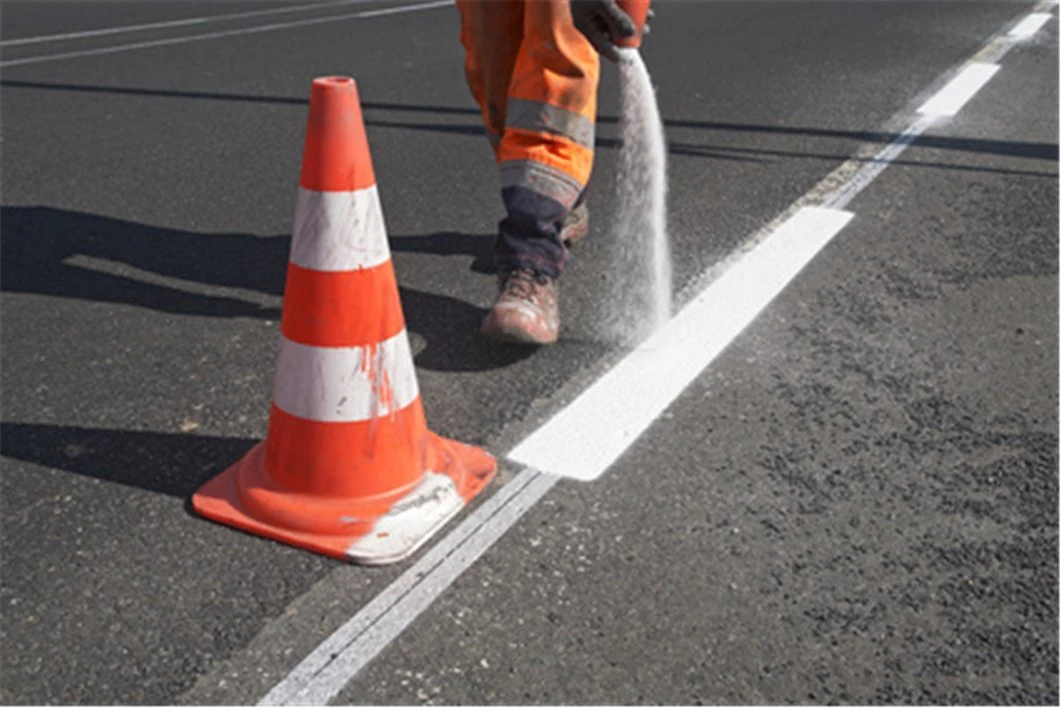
(541, 179)
(544, 118)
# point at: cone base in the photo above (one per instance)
(459, 472)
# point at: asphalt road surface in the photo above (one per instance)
(856, 501)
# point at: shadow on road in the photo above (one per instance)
(75, 255)
(173, 464)
(71, 254)
(1009, 148)
(479, 247)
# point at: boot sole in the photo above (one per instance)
(502, 336)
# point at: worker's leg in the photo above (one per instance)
(546, 150)
(491, 32)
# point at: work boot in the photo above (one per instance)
(576, 226)
(526, 310)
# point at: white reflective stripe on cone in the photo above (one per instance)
(345, 384)
(340, 230)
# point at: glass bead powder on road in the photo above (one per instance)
(640, 292)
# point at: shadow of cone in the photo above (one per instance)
(348, 468)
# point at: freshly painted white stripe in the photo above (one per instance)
(228, 33)
(339, 230)
(1030, 24)
(176, 23)
(324, 672)
(631, 395)
(345, 384)
(952, 97)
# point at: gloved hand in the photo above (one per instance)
(602, 22)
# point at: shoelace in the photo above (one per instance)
(523, 284)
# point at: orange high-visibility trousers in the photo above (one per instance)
(534, 76)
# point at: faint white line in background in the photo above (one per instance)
(176, 23)
(228, 33)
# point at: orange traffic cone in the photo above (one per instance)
(349, 468)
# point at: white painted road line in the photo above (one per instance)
(952, 97)
(1030, 24)
(177, 23)
(404, 8)
(228, 33)
(325, 671)
(631, 395)
(764, 269)
(867, 174)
